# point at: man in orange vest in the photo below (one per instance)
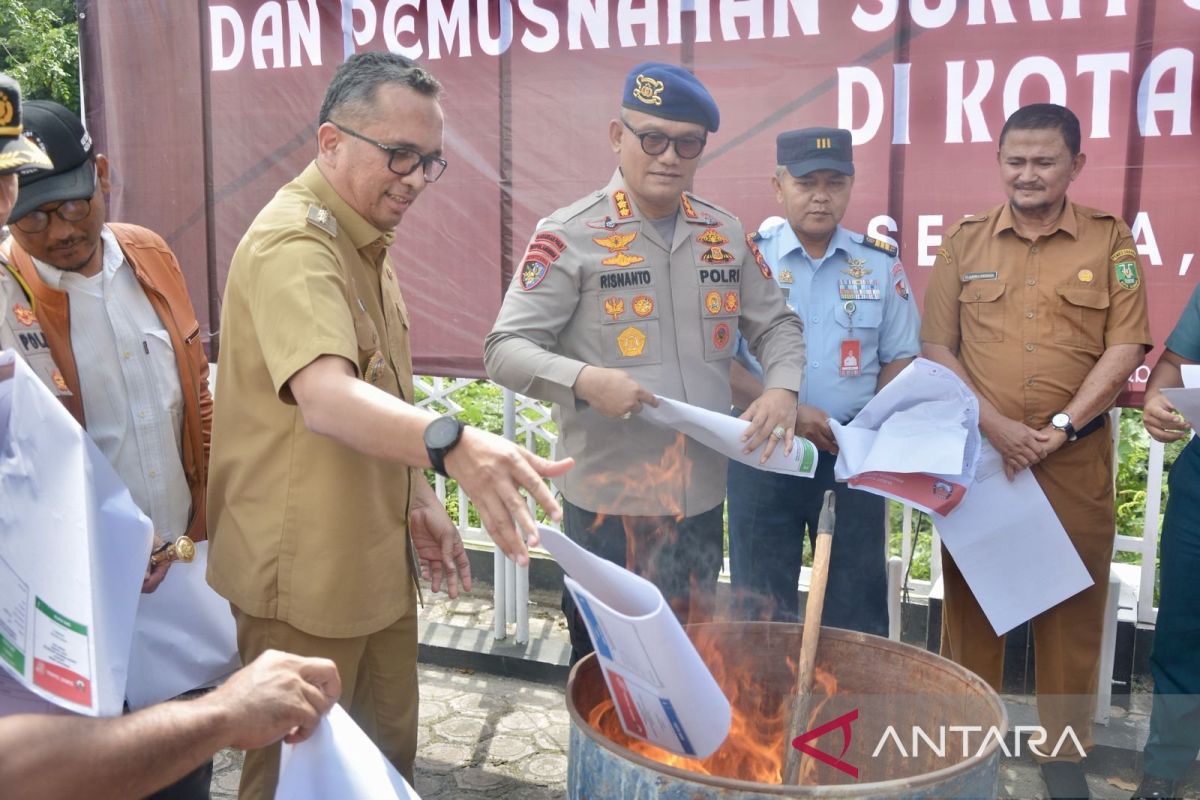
(115, 315)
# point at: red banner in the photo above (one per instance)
(206, 109)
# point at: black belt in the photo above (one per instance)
(1093, 426)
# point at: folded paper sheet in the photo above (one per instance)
(73, 550)
(1010, 546)
(184, 636)
(338, 760)
(723, 433)
(662, 690)
(916, 441)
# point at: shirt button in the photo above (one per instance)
(816, 365)
(1033, 249)
(1031, 281)
(1028, 315)
(1030, 382)
(816, 320)
(141, 415)
(1030, 346)
(153, 473)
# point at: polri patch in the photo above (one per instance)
(533, 273)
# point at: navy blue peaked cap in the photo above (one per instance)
(670, 92)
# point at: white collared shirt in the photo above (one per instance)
(129, 381)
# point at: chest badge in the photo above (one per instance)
(712, 302)
(857, 268)
(614, 307)
(785, 276)
(717, 255)
(617, 244)
(711, 238)
(24, 315)
(721, 335)
(732, 302)
(1085, 276)
(631, 342)
(643, 305)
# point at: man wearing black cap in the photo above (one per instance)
(638, 290)
(115, 314)
(862, 329)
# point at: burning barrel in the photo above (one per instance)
(887, 720)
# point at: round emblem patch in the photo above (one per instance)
(643, 305)
(721, 335)
(1085, 276)
(712, 302)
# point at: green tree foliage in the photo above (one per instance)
(39, 46)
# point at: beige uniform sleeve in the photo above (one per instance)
(298, 303)
(522, 350)
(940, 319)
(774, 332)
(1128, 319)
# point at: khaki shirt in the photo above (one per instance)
(303, 528)
(1029, 320)
(599, 286)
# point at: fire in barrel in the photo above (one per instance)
(885, 720)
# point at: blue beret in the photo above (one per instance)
(670, 92)
(810, 149)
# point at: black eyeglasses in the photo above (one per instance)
(403, 160)
(68, 210)
(655, 143)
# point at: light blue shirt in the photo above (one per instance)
(1185, 338)
(856, 291)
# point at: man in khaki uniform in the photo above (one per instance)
(1038, 304)
(312, 503)
(638, 290)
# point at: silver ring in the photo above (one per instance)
(627, 415)
(778, 432)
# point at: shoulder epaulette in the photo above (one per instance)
(700, 201)
(319, 217)
(879, 244)
(583, 204)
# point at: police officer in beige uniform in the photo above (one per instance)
(312, 502)
(19, 328)
(1039, 306)
(634, 291)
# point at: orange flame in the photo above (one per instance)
(755, 746)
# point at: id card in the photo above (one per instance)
(851, 359)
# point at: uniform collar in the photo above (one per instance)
(789, 242)
(361, 232)
(1066, 221)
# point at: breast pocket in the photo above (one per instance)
(161, 353)
(1082, 313)
(982, 318)
(629, 328)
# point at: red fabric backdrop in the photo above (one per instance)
(206, 108)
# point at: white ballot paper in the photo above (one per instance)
(184, 636)
(1187, 399)
(1010, 547)
(338, 760)
(723, 433)
(916, 441)
(73, 550)
(662, 690)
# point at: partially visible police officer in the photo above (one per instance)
(638, 290)
(861, 329)
(19, 328)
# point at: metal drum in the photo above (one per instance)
(900, 722)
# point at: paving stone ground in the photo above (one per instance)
(489, 737)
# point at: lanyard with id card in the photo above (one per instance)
(850, 356)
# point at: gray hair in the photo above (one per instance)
(356, 81)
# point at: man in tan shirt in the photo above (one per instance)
(312, 502)
(1039, 305)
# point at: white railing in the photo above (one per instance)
(527, 421)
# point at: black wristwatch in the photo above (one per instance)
(440, 437)
(1062, 421)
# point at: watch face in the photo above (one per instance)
(442, 433)
(1060, 420)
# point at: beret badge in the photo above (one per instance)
(648, 90)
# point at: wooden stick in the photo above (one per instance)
(805, 670)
